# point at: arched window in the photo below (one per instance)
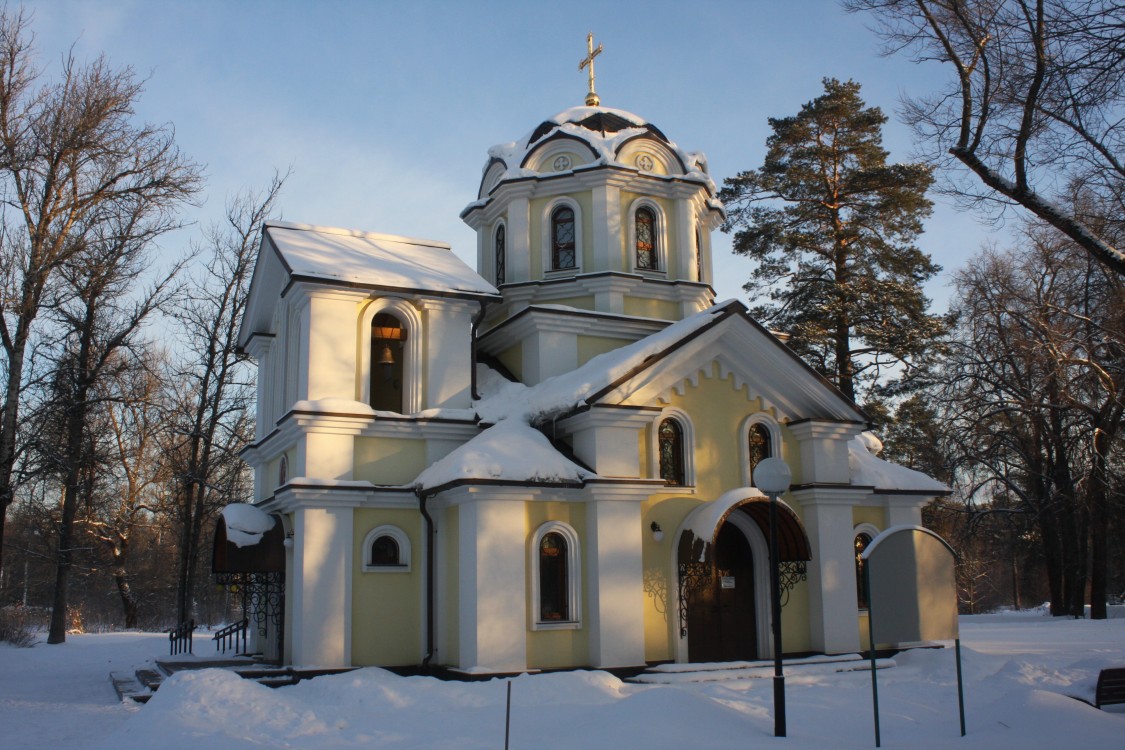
(388, 337)
(644, 229)
(553, 584)
(500, 260)
(862, 539)
(562, 239)
(555, 577)
(698, 256)
(670, 440)
(758, 445)
(386, 549)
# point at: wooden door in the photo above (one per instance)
(721, 616)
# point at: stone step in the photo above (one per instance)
(670, 674)
(128, 687)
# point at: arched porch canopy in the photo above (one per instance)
(701, 527)
(248, 540)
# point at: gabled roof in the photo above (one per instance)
(512, 408)
(345, 257)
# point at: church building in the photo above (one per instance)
(548, 461)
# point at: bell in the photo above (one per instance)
(387, 357)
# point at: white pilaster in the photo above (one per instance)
(448, 354)
(824, 450)
(833, 611)
(328, 322)
(320, 633)
(615, 610)
(492, 585)
(518, 236)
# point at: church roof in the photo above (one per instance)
(367, 259)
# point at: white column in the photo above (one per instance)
(492, 585)
(320, 630)
(615, 583)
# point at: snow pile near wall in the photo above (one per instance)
(246, 524)
(511, 450)
(868, 470)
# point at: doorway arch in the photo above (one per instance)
(723, 568)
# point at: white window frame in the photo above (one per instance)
(659, 237)
(404, 548)
(573, 578)
(549, 238)
(412, 351)
(777, 446)
(688, 427)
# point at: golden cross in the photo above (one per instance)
(592, 99)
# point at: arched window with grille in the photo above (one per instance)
(555, 577)
(553, 604)
(644, 233)
(671, 452)
(563, 255)
(500, 255)
(386, 549)
(758, 445)
(862, 539)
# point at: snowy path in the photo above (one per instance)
(1018, 670)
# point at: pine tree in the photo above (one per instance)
(831, 225)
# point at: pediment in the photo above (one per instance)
(754, 360)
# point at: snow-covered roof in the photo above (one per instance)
(245, 524)
(868, 470)
(605, 131)
(378, 260)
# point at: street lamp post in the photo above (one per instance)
(772, 476)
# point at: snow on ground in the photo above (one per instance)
(1019, 670)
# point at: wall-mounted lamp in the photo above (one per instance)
(288, 541)
(657, 532)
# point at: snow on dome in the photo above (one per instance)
(604, 130)
(867, 470)
(511, 450)
(246, 524)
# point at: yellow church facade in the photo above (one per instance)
(547, 461)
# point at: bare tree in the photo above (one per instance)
(70, 156)
(213, 418)
(1035, 108)
(98, 313)
(134, 417)
(1034, 401)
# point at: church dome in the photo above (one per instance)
(582, 138)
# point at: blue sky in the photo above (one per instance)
(384, 111)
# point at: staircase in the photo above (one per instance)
(672, 674)
(140, 685)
